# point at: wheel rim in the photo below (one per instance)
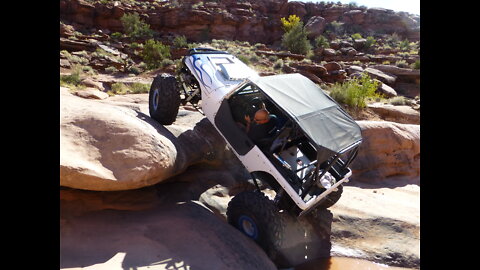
(155, 99)
(248, 226)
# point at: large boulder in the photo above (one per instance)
(388, 149)
(315, 26)
(110, 145)
(404, 114)
(381, 76)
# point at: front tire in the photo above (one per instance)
(257, 217)
(164, 99)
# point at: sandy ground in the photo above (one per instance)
(378, 223)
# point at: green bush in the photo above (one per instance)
(139, 88)
(119, 88)
(254, 58)
(180, 42)
(335, 27)
(135, 88)
(135, 27)
(356, 36)
(370, 42)
(416, 65)
(296, 40)
(116, 35)
(244, 59)
(321, 42)
(404, 45)
(278, 64)
(399, 100)
(154, 52)
(73, 78)
(355, 92)
(111, 70)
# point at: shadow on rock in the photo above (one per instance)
(171, 235)
(305, 239)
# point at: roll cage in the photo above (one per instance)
(305, 170)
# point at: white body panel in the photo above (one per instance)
(216, 87)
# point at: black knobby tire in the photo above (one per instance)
(331, 198)
(256, 216)
(164, 99)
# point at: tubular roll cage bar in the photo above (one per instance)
(334, 159)
(331, 163)
(204, 51)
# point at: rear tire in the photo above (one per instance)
(164, 99)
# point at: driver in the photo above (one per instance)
(262, 128)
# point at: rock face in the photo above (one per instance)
(388, 150)
(253, 21)
(109, 147)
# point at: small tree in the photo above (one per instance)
(135, 27)
(154, 52)
(296, 41)
(292, 21)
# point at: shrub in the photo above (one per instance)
(355, 92)
(272, 58)
(254, 58)
(416, 65)
(135, 45)
(111, 70)
(180, 42)
(335, 27)
(119, 88)
(133, 69)
(135, 88)
(356, 36)
(278, 64)
(134, 27)
(401, 63)
(244, 59)
(166, 62)
(116, 35)
(393, 39)
(399, 100)
(321, 42)
(73, 78)
(296, 40)
(139, 88)
(154, 52)
(370, 41)
(404, 45)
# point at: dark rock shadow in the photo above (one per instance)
(174, 236)
(306, 239)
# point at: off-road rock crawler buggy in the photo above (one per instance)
(306, 161)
